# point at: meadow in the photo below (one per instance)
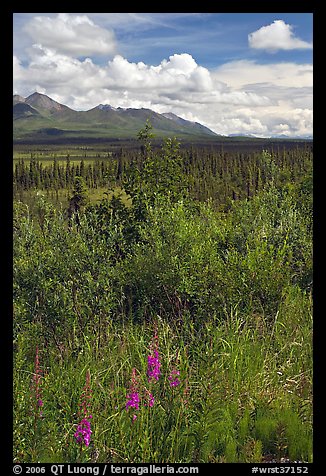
(169, 319)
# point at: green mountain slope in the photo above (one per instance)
(38, 117)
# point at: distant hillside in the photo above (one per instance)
(22, 110)
(45, 105)
(199, 128)
(17, 98)
(38, 116)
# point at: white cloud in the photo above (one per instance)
(178, 78)
(71, 34)
(179, 64)
(17, 72)
(276, 36)
(239, 74)
(239, 97)
(289, 87)
(178, 73)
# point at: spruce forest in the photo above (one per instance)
(163, 302)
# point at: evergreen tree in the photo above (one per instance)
(79, 198)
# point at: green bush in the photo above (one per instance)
(228, 294)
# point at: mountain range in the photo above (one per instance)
(40, 118)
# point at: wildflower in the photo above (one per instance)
(153, 360)
(133, 395)
(138, 395)
(83, 432)
(153, 366)
(174, 374)
(149, 398)
(173, 378)
(133, 401)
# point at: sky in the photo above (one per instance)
(236, 73)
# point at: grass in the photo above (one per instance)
(245, 392)
(60, 197)
(229, 296)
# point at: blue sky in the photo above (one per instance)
(211, 39)
(246, 73)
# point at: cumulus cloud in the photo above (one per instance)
(178, 78)
(242, 73)
(276, 36)
(71, 34)
(17, 73)
(179, 73)
(289, 88)
(229, 100)
(239, 97)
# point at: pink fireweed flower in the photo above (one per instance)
(153, 366)
(83, 432)
(173, 378)
(133, 400)
(153, 360)
(149, 398)
(138, 395)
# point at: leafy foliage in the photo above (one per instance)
(225, 284)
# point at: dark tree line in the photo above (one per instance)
(204, 172)
(33, 174)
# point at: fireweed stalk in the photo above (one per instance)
(83, 432)
(133, 398)
(173, 378)
(174, 373)
(138, 395)
(153, 360)
(148, 398)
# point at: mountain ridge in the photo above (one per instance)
(38, 116)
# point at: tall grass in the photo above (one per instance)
(221, 301)
(238, 398)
